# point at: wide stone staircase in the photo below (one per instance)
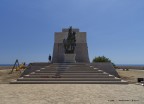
(68, 73)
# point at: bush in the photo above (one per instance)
(102, 59)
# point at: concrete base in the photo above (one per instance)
(69, 58)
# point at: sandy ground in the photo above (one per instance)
(5, 77)
(131, 75)
(71, 93)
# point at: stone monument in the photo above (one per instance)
(70, 45)
(70, 64)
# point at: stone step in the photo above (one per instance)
(69, 73)
(70, 64)
(58, 67)
(65, 68)
(68, 82)
(68, 76)
(68, 79)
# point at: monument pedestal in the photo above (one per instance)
(69, 58)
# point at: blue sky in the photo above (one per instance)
(115, 28)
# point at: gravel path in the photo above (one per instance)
(71, 94)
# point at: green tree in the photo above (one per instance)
(102, 59)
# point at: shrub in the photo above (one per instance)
(102, 59)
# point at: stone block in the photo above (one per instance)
(69, 58)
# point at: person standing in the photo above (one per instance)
(49, 58)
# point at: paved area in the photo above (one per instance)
(71, 94)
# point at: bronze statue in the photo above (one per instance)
(70, 42)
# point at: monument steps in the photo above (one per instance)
(62, 74)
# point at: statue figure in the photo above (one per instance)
(70, 42)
